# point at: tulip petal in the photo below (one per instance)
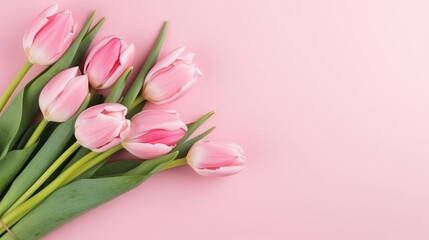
(103, 63)
(70, 100)
(49, 42)
(171, 85)
(101, 127)
(220, 172)
(95, 48)
(146, 150)
(54, 87)
(165, 62)
(210, 158)
(155, 119)
(38, 24)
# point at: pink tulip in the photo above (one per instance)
(49, 36)
(171, 77)
(102, 127)
(154, 133)
(63, 95)
(214, 159)
(107, 60)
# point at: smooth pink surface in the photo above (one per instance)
(63, 95)
(329, 99)
(106, 60)
(216, 158)
(154, 133)
(171, 77)
(49, 36)
(102, 126)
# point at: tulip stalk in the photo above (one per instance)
(42, 179)
(71, 173)
(18, 78)
(136, 102)
(36, 134)
(175, 163)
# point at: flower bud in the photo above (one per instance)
(102, 127)
(107, 60)
(214, 159)
(171, 77)
(63, 95)
(49, 36)
(154, 133)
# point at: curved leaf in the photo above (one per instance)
(47, 154)
(12, 164)
(78, 197)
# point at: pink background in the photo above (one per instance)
(328, 98)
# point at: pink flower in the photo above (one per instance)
(214, 159)
(63, 95)
(49, 36)
(171, 77)
(107, 60)
(102, 127)
(154, 133)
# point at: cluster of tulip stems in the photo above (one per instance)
(80, 130)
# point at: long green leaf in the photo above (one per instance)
(136, 87)
(12, 164)
(78, 197)
(135, 110)
(49, 152)
(116, 92)
(152, 166)
(23, 107)
(184, 147)
(86, 42)
(192, 127)
(117, 168)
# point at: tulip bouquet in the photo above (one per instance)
(58, 168)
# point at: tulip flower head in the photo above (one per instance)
(107, 60)
(171, 77)
(154, 133)
(102, 127)
(63, 95)
(49, 36)
(212, 159)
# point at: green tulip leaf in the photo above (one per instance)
(12, 164)
(116, 92)
(47, 154)
(136, 87)
(192, 127)
(86, 42)
(184, 147)
(117, 168)
(78, 197)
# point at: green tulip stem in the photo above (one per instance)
(92, 163)
(42, 179)
(36, 134)
(92, 91)
(175, 163)
(67, 176)
(16, 214)
(136, 102)
(14, 84)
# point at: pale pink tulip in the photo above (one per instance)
(154, 133)
(63, 95)
(49, 36)
(107, 60)
(214, 159)
(102, 127)
(171, 77)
